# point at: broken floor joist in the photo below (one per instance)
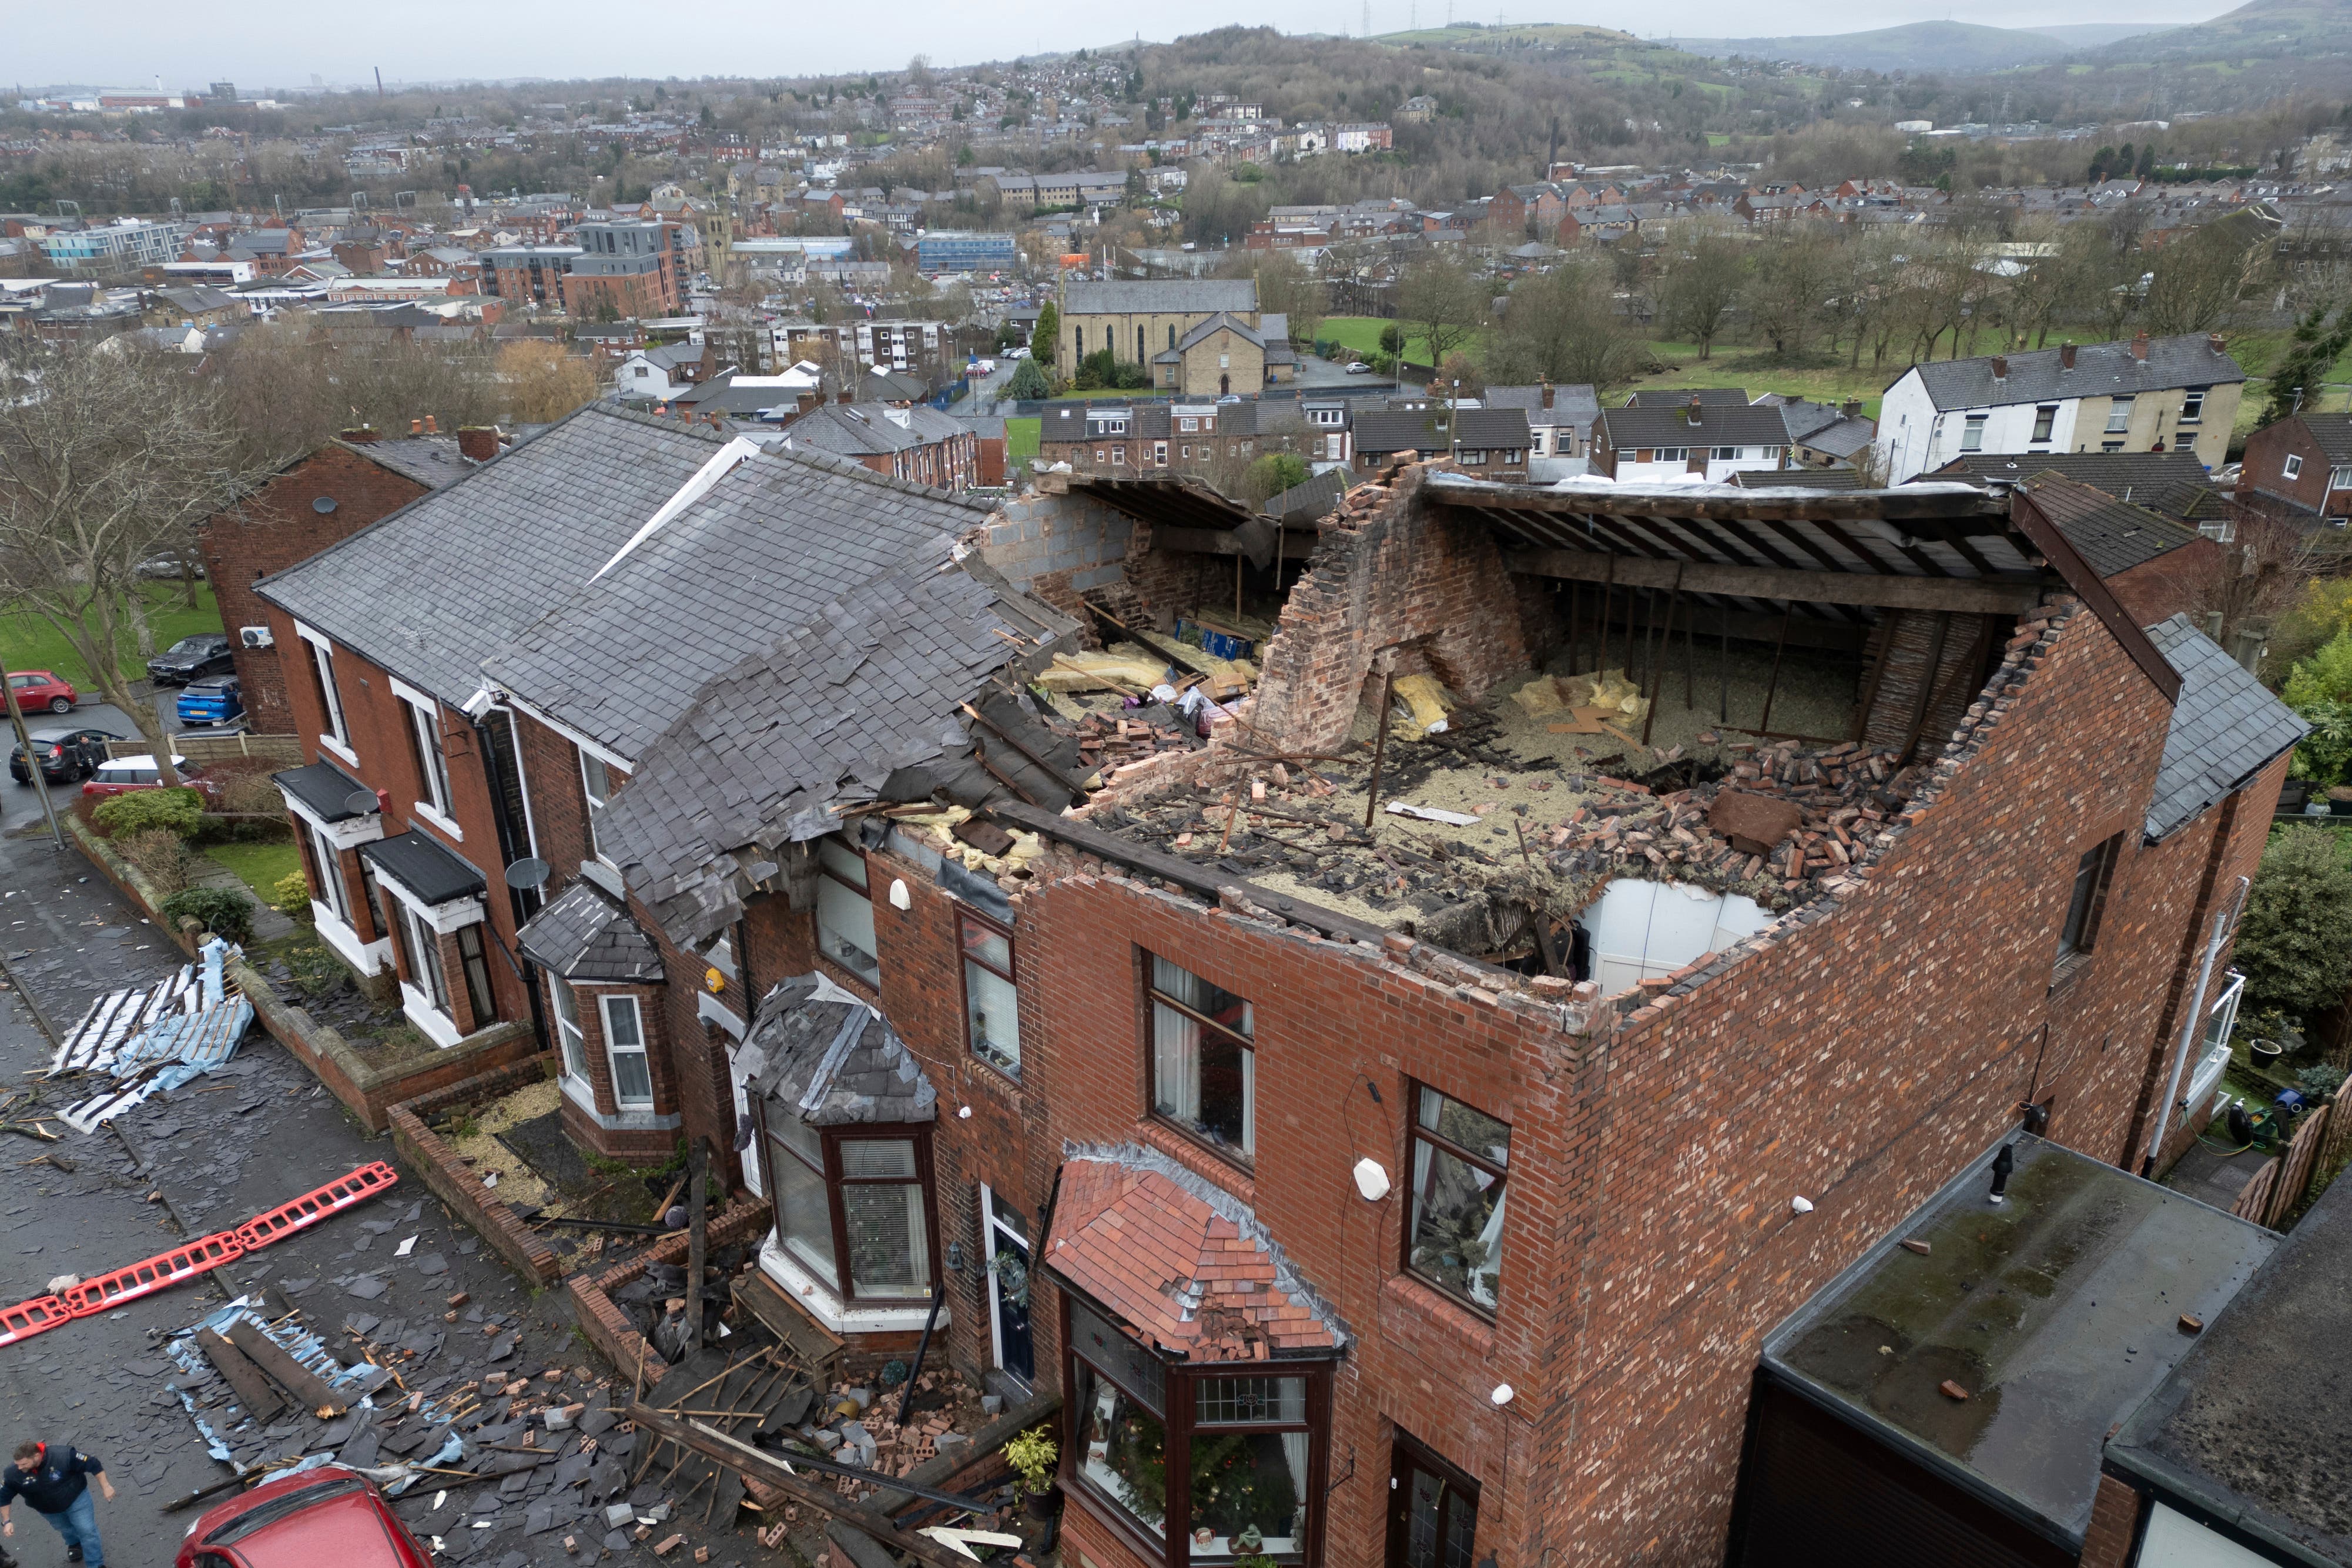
(1972, 595)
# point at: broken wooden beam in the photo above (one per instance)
(262, 1402)
(285, 1372)
(1884, 591)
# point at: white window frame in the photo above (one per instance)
(606, 1006)
(596, 793)
(570, 1039)
(424, 726)
(337, 738)
(2193, 406)
(2119, 413)
(2292, 468)
(334, 895)
(1972, 432)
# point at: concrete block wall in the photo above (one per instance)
(1057, 546)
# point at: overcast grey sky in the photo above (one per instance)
(433, 40)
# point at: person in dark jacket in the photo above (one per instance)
(55, 1478)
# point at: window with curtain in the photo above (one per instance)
(844, 911)
(568, 1032)
(852, 1205)
(1249, 1446)
(1203, 1066)
(425, 957)
(624, 1047)
(990, 1004)
(475, 960)
(1453, 1238)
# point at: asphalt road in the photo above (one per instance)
(19, 804)
(203, 1158)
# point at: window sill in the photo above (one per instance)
(423, 811)
(336, 748)
(1441, 1310)
(816, 1298)
(1200, 1159)
(2066, 971)
(1010, 1077)
(866, 989)
(436, 1024)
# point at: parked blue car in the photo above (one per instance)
(215, 699)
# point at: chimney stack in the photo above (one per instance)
(2213, 341)
(844, 397)
(430, 428)
(2001, 367)
(2065, 356)
(1692, 412)
(808, 400)
(1548, 389)
(477, 443)
(360, 434)
(2139, 345)
(1851, 408)
(416, 426)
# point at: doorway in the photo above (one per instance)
(1432, 1509)
(1005, 1239)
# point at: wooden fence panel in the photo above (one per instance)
(2294, 1174)
(285, 751)
(2254, 1199)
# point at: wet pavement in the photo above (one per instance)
(203, 1158)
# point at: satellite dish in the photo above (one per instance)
(362, 803)
(528, 872)
(323, 505)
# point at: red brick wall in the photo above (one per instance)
(2179, 582)
(276, 528)
(2115, 1519)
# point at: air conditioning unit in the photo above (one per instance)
(255, 636)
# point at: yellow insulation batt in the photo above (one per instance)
(1425, 696)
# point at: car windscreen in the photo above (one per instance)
(194, 644)
(261, 1516)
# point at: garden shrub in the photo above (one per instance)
(290, 895)
(180, 810)
(223, 911)
(159, 855)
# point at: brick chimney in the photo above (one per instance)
(431, 429)
(477, 443)
(844, 397)
(1691, 414)
(416, 426)
(2139, 345)
(808, 400)
(1851, 408)
(360, 434)
(2065, 356)
(2213, 341)
(1547, 393)
(2001, 367)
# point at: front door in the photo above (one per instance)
(1007, 1241)
(1433, 1511)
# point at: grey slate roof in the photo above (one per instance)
(2226, 728)
(432, 460)
(585, 934)
(1679, 397)
(2174, 483)
(1398, 430)
(1719, 425)
(1573, 402)
(2113, 537)
(1165, 296)
(871, 684)
(506, 542)
(782, 536)
(2101, 369)
(831, 1060)
(2331, 433)
(1311, 499)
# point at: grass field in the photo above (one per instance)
(28, 642)
(1361, 334)
(260, 865)
(1021, 438)
(1736, 366)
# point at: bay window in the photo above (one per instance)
(625, 1050)
(1200, 1465)
(990, 1004)
(568, 1033)
(424, 954)
(474, 959)
(844, 911)
(1203, 1061)
(1453, 1233)
(852, 1205)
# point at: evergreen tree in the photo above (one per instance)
(2297, 378)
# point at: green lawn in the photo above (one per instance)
(28, 642)
(1730, 366)
(262, 865)
(1020, 437)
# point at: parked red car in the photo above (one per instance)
(39, 689)
(118, 775)
(329, 1516)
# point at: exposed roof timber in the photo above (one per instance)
(1912, 503)
(1179, 501)
(2031, 520)
(1709, 619)
(1885, 592)
(1227, 540)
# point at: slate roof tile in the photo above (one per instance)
(2226, 728)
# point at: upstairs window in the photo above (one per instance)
(990, 1004)
(331, 702)
(1203, 1060)
(2119, 413)
(1461, 1159)
(2045, 421)
(431, 763)
(2292, 468)
(844, 911)
(1972, 433)
(2093, 873)
(2192, 404)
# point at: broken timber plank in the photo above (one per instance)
(292, 1376)
(262, 1402)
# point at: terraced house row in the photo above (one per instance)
(1390, 1087)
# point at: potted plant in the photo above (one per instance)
(1033, 1455)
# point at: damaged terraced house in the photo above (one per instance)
(1382, 1013)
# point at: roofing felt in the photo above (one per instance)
(505, 543)
(1719, 425)
(2058, 1311)
(874, 683)
(2226, 728)
(832, 1061)
(2113, 537)
(773, 543)
(585, 934)
(1166, 296)
(1798, 479)
(419, 863)
(2175, 483)
(1184, 1263)
(1400, 430)
(2101, 369)
(325, 790)
(2250, 1427)
(431, 460)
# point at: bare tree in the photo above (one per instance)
(106, 461)
(1565, 326)
(2201, 278)
(1700, 289)
(1442, 302)
(1785, 299)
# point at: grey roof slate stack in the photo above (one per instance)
(506, 542)
(432, 460)
(1401, 431)
(2100, 369)
(872, 685)
(775, 542)
(2226, 728)
(585, 934)
(2113, 537)
(831, 1060)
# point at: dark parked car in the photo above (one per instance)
(66, 754)
(191, 658)
(329, 1515)
(215, 699)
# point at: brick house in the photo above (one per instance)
(1492, 443)
(2300, 468)
(314, 502)
(1700, 437)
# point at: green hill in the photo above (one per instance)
(1946, 46)
(2265, 28)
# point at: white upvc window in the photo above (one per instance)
(2119, 413)
(2292, 468)
(1972, 433)
(625, 1048)
(2192, 404)
(597, 787)
(330, 699)
(569, 1035)
(425, 748)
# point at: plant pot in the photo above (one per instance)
(1044, 1504)
(2266, 1053)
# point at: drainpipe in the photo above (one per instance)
(506, 857)
(2225, 921)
